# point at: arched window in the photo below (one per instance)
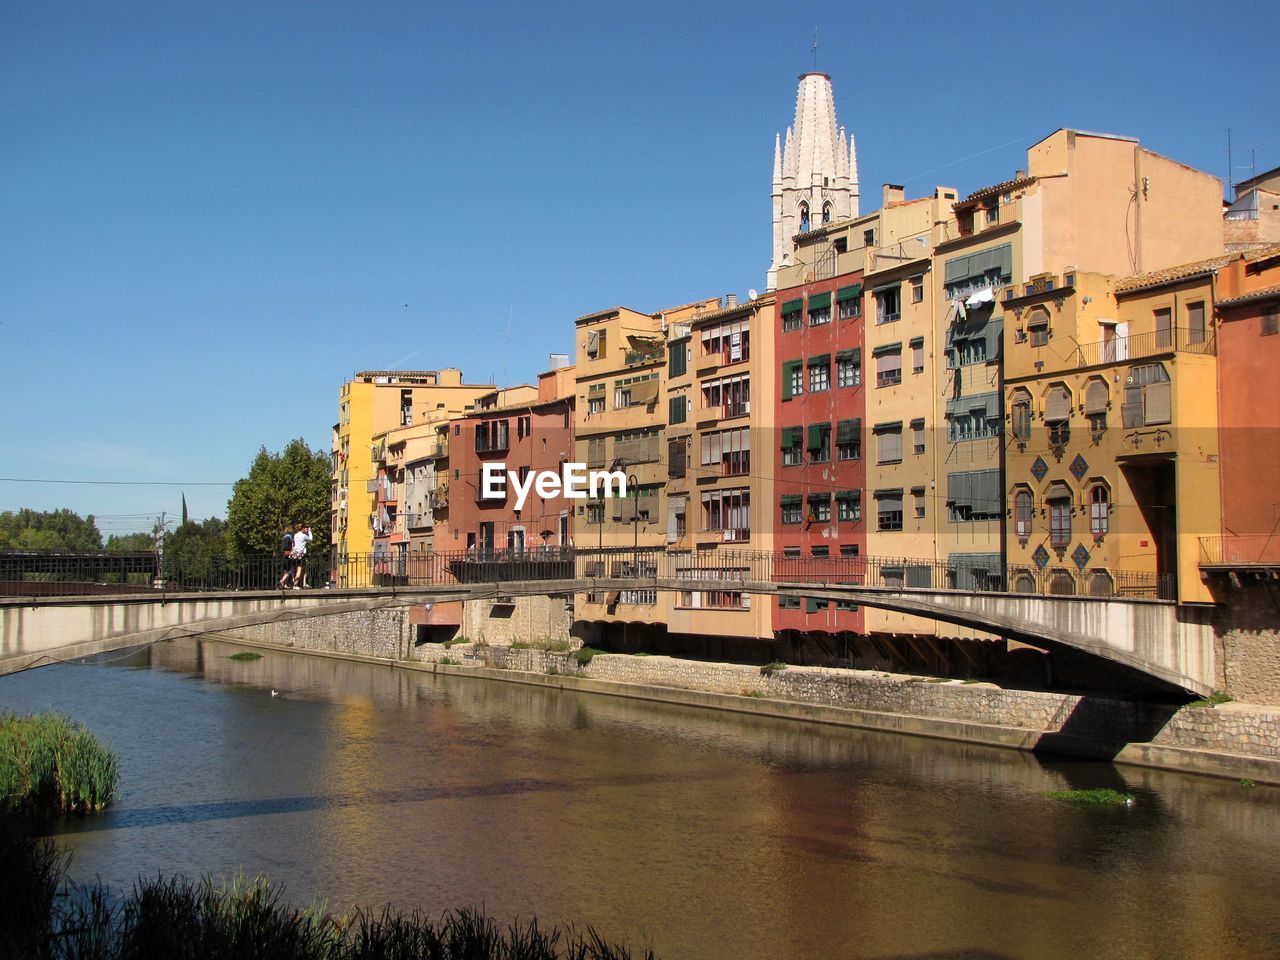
(1059, 500)
(1095, 406)
(1099, 510)
(1057, 414)
(1022, 513)
(1100, 584)
(1024, 582)
(804, 218)
(1021, 415)
(1062, 583)
(826, 213)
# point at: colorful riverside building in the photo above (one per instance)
(621, 364)
(719, 484)
(370, 405)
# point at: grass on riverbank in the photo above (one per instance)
(1096, 797)
(245, 656)
(50, 764)
(43, 915)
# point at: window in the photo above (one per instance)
(792, 441)
(1164, 329)
(728, 511)
(595, 399)
(1195, 322)
(1059, 517)
(1095, 407)
(819, 309)
(1147, 396)
(595, 512)
(727, 451)
(731, 394)
(917, 289)
(1022, 514)
(841, 244)
(849, 368)
(819, 442)
(917, 436)
(917, 494)
(974, 418)
(1021, 416)
(792, 379)
(826, 209)
(821, 553)
(849, 440)
(678, 409)
(524, 427)
(679, 358)
(917, 355)
(992, 211)
(1057, 404)
(791, 553)
(596, 344)
(849, 506)
(792, 508)
(974, 495)
(849, 302)
(1099, 510)
(888, 443)
(850, 549)
(1039, 332)
(790, 603)
(676, 458)
(820, 507)
(868, 238)
(635, 391)
(804, 218)
(791, 315)
(888, 509)
(888, 304)
(820, 373)
(1271, 321)
(888, 365)
(730, 340)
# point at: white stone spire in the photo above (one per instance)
(819, 178)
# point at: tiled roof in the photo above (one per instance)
(1266, 253)
(1253, 296)
(997, 188)
(1182, 271)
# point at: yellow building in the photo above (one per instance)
(369, 405)
(1112, 464)
(620, 371)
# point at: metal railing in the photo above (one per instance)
(71, 575)
(1251, 550)
(1137, 346)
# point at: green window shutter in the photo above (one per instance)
(821, 360)
(813, 604)
(848, 495)
(819, 300)
(677, 409)
(815, 435)
(789, 437)
(849, 293)
(847, 431)
(792, 306)
(791, 499)
(679, 358)
(843, 355)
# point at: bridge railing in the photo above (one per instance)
(29, 574)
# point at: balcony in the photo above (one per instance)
(416, 521)
(1236, 552)
(645, 352)
(1136, 346)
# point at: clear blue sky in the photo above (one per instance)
(211, 214)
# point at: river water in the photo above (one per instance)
(701, 834)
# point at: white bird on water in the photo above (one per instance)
(275, 693)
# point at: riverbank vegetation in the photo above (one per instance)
(45, 916)
(1096, 797)
(245, 656)
(51, 765)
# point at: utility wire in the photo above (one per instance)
(122, 483)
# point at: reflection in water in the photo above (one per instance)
(701, 833)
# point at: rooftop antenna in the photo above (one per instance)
(815, 49)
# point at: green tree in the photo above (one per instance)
(281, 490)
(196, 549)
(131, 543)
(51, 530)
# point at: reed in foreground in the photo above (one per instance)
(50, 764)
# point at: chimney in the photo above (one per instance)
(893, 193)
(1020, 175)
(558, 360)
(730, 299)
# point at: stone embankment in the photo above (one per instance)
(1235, 740)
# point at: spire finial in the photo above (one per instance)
(815, 49)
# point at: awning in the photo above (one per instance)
(821, 360)
(848, 494)
(847, 431)
(791, 499)
(979, 297)
(819, 301)
(792, 306)
(849, 293)
(646, 391)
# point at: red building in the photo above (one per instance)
(528, 429)
(817, 463)
(1248, 411)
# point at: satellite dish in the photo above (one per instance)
(752, 295)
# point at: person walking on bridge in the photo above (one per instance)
(300, 540)
(286, 551)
